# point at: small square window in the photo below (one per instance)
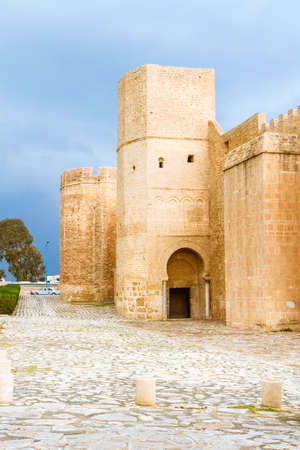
(190, 159)
(160, 163)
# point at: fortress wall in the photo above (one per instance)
(244, 243)
(131, 106)
(220, 144)
(262, 233)
(244, 132)
(285, 123)
(282, 234)
(180, 101)
(217, 155)
(78, 200)
(105, 229)
(160, 208)
(131, 272)
(87, 234)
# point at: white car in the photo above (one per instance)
(46, 291)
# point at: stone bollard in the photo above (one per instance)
(145, 391)
(271, 393)
(6, 379)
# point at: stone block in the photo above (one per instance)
(140, 302)
(6, 388)
(145, 391)
(271, 393)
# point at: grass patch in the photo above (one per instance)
(254, 409)
(6, 344)
(268, 409)
(32, 369)
(250, 408)
(9, 296)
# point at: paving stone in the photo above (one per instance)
(16, 443)
(76, 368)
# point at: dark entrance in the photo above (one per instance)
(179, 303)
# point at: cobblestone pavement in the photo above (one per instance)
(75, 370)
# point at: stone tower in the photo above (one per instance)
(87, 234)
(163, 231)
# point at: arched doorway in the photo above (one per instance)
(186, 287)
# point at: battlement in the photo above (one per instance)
(285, 123)
(85, 175)
(77, 176)
(268, 142)
(255, 126)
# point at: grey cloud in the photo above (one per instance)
(61, 61)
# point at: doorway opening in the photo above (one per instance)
(185, 285)
(179, 303)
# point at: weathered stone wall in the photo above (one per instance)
(220, 144)
(244, 132)
(105, 228)
(217, 155)
(87, 234)
(262, 228)
(163, 200)
(286, 123)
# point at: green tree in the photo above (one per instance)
(24, 259)
(2, 274)
(26, 264)
(13, 236)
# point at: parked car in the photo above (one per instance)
(45, 291)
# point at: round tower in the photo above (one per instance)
(78, 192)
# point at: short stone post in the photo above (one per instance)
(271, 393)
(6, 379)
(145, 391)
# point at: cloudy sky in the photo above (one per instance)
(60, 61)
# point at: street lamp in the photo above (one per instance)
(46, 262)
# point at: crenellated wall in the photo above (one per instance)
(254, 221)
(286, 123)
(87, 234)
(262, 231)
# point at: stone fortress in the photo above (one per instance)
(194, 222)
